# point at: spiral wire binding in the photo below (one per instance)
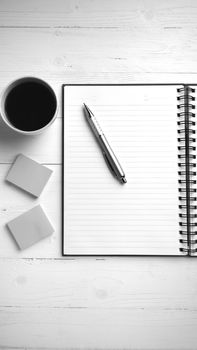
(187, 173)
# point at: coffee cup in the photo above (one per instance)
(28, 105)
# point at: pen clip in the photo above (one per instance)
(109, 164)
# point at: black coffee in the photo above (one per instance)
(30, 105)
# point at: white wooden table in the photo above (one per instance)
(50, 302)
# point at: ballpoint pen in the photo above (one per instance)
(107, 151)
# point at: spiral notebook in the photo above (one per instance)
(152, 130)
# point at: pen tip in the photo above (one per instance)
(124, 180)
(88, 111)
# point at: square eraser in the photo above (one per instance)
(30, 227)
(29, 175)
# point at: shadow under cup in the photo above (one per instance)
(29, 105)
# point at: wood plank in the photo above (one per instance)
(131, 283)
(110, 14)
(49, 7)
(90, 51)
(114, 304)
(67, 329)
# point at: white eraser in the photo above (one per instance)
(30, 227)
(29, 175)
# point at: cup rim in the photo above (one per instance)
(4, 94)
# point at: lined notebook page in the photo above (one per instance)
(102, 216)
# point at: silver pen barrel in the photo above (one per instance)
(107, 151)
(111, 159)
